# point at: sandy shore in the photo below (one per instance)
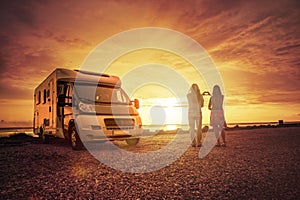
(257, 164)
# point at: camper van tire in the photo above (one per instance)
(75, 139)
(44, 138)
(132, 141)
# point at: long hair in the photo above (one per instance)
(217, 91)
(196, 91)
(216, 101)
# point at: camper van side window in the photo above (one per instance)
(48, 94)
(60, 89)
(45, 96)
(38, 100)
(69, 94)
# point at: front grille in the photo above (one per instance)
(119, 123)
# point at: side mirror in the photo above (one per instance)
(136, 103)
(61, 100)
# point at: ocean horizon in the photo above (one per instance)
(8, 129)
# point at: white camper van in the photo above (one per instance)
(85, 106)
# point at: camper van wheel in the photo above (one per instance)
(75, 139)
(132, 141)
(44, 138)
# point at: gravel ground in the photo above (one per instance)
(256, 164)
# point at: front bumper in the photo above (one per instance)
(92, 128)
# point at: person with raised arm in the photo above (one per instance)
(195, 102)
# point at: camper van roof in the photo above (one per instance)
(91, 73)
(87, 77)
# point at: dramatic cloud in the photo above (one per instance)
(255, 44)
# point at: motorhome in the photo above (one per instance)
(83, 106)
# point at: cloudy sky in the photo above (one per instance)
(254, 44)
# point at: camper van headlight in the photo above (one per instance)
(87, 107)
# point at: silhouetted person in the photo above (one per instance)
(195, 101)
(217, 119)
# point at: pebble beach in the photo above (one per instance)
(256, 164)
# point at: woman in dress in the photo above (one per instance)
(217, 119)
(195, 102)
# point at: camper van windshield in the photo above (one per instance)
(102, 94)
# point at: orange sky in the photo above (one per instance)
(255, 45)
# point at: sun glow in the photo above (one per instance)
(159, 104)
(169, 113)
(170, 127)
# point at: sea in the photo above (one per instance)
(185, 127)
(12, 130)
(7, 132)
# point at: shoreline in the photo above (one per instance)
(11, 131)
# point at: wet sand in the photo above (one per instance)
(256, 164)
